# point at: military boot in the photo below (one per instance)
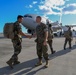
(53, 52)
(10, 63)
(64, 48)
(47, 64)
(39, 63)
(16, 62)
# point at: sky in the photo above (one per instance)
(56, 10)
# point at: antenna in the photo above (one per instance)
(61, 17)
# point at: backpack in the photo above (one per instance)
(8, 30)
(67, 34)
(50, 34)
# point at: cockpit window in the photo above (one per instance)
(28, 16)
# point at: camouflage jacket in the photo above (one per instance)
(17, 29)
(40, 32)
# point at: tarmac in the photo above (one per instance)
(63, 62)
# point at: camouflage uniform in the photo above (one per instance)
(41, 49)
(50, 39)
(68, 38)
(16, 41)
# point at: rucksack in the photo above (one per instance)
(8, 30)
(50, 34)
(67, 34)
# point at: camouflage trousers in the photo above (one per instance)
(17, 49)
(42, 50)
(50, 45)
(69, 42)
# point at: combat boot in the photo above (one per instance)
(10, 63)
(53, 52)
(39, 63)
(47, 64)
(16, 62)
(64, 48)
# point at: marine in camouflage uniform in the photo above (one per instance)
(40, 31)
(68, 38)
(41, 48)
(50, 38)
(17, 41)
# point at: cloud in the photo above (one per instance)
(54, 7)
(30, 6)
(41, 1)
(69, 9)
(51, 3)
(71, 12)
(34, 2)
(45, 16)
(49, 6)
(57, 7)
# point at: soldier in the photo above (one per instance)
(50, 38)
(42, 35)
(68, 38)
(17, 41)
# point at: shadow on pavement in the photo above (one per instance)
(61, 52)
(27, 66)
(19, 69)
